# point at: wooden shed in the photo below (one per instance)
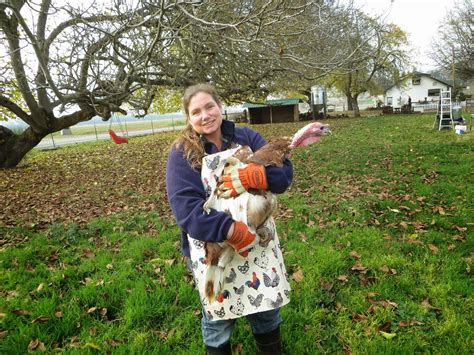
(273, 111)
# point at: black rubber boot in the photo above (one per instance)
(269, 343)
(226, 350)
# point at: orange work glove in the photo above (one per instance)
(241, 239)
(235, 181)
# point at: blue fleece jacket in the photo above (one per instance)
(186, 193)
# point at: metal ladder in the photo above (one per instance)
(444, 117)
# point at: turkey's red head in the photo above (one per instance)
(309, 134)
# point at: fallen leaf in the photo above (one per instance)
(3, 333)
(426, 304)
(20, 312)
(58, 314)
(404, 225)
(358, 317)
(326, 285)
(237, 348)
(433, 248)
(91, 310)
(161, 334)
(343, 278)
(298, 275)
(460, 229)
(359, 268)
(354, 254)
(35, 345)
(75, 342)
(385, 327)
(109, 266)
(388, 304)
(93, 331)
(388, 336)
(439, 210)
(170, 262)
(115, 342)
(41, 319)
(409, 323)
(40, 287)
(371, 309)
(88, 253)
(373, 294)
(366, 281)
(12, 294)
(387, 270)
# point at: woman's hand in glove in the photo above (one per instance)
(236, 180)
(241, 239)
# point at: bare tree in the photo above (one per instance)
(454, 42)
(385, 57)
(67, 64)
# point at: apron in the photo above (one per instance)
(255, 283)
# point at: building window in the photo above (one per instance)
(389, 101)
(433, 92)
(416, 81)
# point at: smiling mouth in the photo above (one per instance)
(209, 123)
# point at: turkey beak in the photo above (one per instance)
(327, 130)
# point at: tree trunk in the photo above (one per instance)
(349, 102)
(13, 147)
(355, 106)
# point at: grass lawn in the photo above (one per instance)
(377, 232)
(123, 126)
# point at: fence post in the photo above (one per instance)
(152, 130)
(54, 145)
(126, 127)
(95, 129)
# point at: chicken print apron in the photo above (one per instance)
(252, 284)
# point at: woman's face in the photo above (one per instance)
(205, 115)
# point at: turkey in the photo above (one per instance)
(261, 203)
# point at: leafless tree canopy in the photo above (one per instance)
(456, 34)
(63, 64)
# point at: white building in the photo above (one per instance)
(420, 87)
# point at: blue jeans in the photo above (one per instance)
(217, 333)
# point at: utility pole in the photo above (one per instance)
(454, 73)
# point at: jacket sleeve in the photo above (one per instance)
(186, 197)
(279, 179)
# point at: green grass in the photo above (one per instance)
(389, 193)
(122, 126)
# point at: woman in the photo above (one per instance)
(207, 135)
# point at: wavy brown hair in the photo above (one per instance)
(189, 141)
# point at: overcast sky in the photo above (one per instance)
(419, 18)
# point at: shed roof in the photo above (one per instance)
(279, 102)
